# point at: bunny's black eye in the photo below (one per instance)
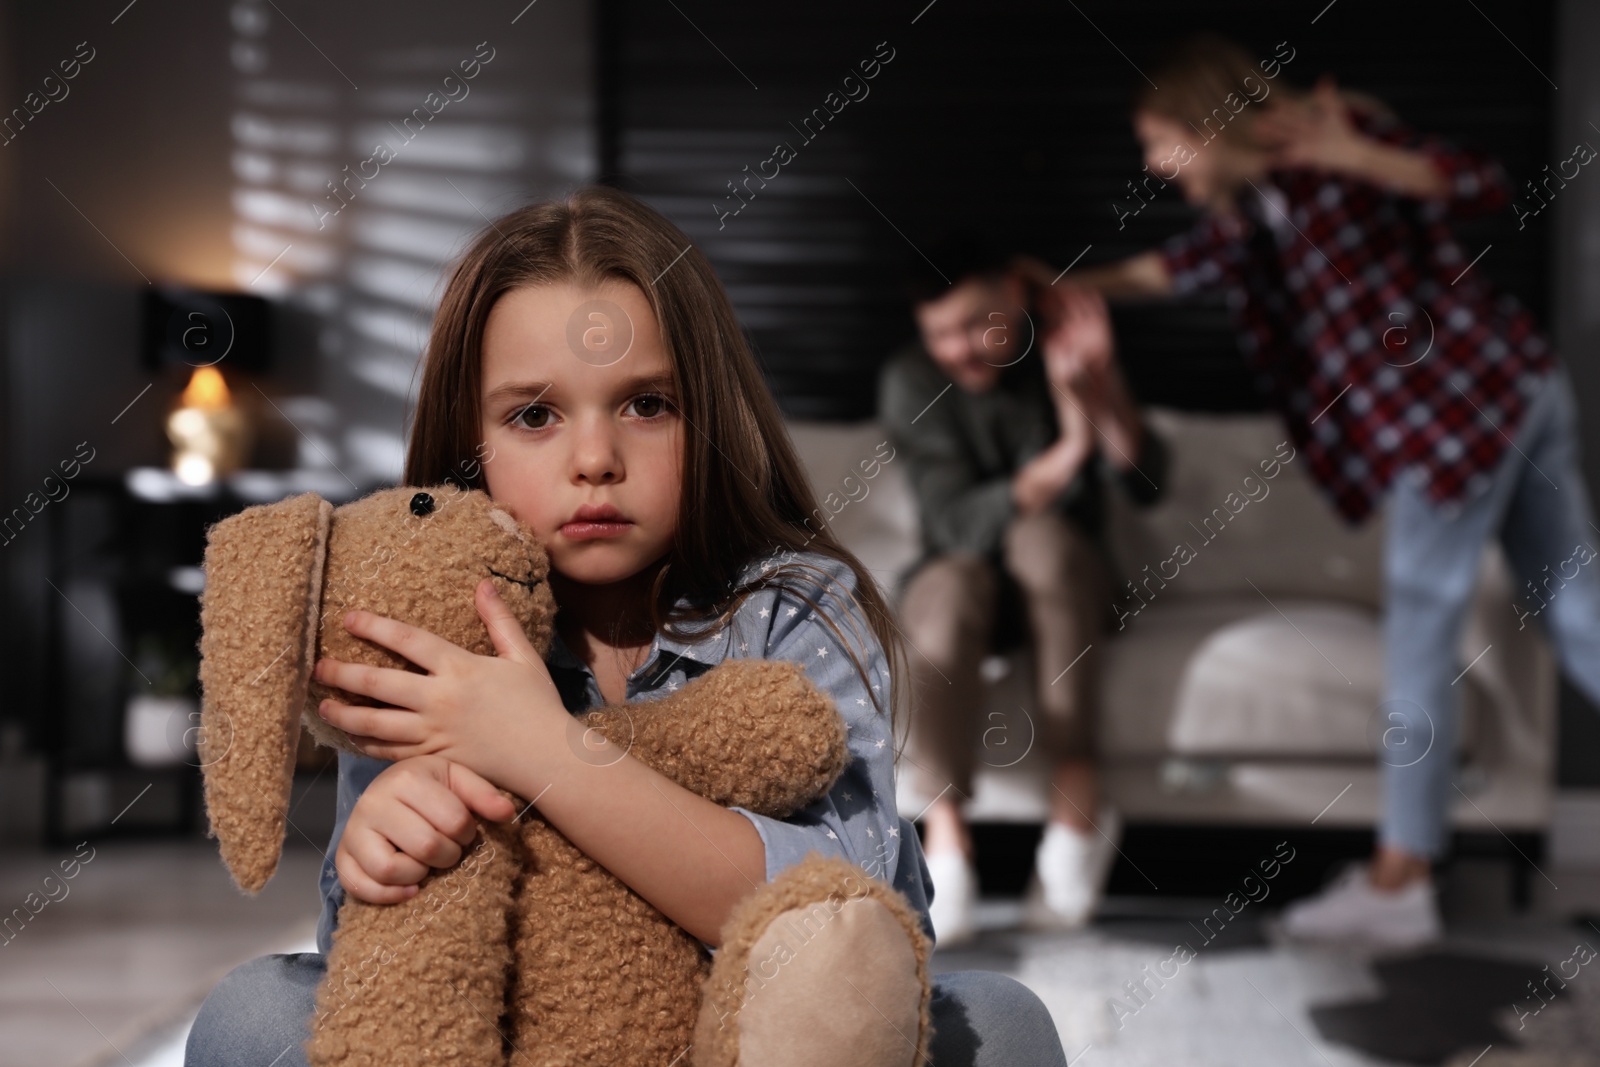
(422, 504)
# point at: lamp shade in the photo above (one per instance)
(199, 329)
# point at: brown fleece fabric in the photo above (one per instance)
(255, 653)
(788, 957)
(526, 951)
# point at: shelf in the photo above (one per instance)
(158, 485)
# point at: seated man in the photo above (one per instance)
(1012, 416)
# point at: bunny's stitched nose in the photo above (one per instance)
(528, 583)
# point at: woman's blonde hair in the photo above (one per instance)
(1193, 79)
(745, 495)
(1194, 76)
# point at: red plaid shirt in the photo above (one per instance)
(1382, 350)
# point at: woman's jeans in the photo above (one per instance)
(259, 1015)
(1538, 507)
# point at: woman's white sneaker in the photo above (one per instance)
(955, 892)
(1352, 909)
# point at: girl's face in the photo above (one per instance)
(580, 414)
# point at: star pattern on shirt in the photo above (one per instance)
(793, 612)
(861, 702)
(845, 795)
(879, 743)
(822, 652)
(744, 646)
(894, 831)
(832, 836)
(765, 612)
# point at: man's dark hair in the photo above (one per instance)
(955, 257)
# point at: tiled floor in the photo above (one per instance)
(1248, 999)
(113, 971)
(135, 938)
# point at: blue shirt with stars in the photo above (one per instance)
(856, 819)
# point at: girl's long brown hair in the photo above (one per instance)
(745, 493)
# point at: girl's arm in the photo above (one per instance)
(691, 858)
(857, 820)
(502, 717)
(615, 792)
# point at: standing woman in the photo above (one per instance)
(1402, 372)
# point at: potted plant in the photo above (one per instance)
(159, 729)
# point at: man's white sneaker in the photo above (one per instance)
(1351, 909)
(955, 892)
(1069, 873)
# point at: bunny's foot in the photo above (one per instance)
(824, 965)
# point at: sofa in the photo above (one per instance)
(1244, 686)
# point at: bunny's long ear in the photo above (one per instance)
(258, 616)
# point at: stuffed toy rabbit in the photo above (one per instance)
(527, 952)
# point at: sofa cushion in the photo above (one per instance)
(1234, 677)
(1207, 667)
(1145, 666)
(862, 489)
(1304, 682)
(1288, 542)
(1239, 525)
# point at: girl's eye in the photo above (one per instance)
(653, 404)
(536, 409)
(537, 416)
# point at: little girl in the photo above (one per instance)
(587, 371)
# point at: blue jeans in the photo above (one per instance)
(1538, 507)
(260, 1013)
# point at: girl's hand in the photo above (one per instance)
(416, 815)
(478, 711)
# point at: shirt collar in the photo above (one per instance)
(560, 655)
(705, 651)
(1267, 205)
(708, 651)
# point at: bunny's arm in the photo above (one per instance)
(748, 733)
